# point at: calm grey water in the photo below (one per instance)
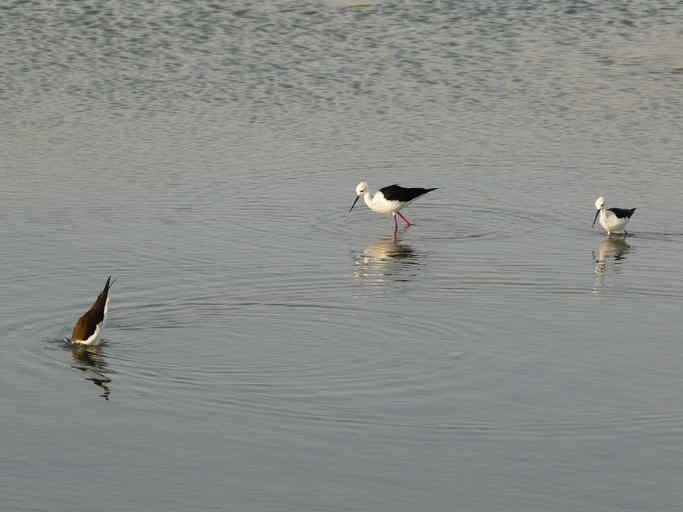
(265, 351)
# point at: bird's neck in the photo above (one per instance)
(368, 197)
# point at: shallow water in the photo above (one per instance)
(264, 349)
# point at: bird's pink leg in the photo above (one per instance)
(408, 223)
(393, 216)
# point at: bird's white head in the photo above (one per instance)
(599, 205)
(361, 189)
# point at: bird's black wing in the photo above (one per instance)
(622, 212)
(398, 193)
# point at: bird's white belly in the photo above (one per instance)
(613, 224)
(380, 205)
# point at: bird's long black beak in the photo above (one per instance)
(597, 212)
(354, 203)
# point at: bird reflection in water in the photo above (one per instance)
(611, 248)
(90, 359)
(387, 260)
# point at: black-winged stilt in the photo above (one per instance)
(612, 220)
(89, 326)
(389, 199)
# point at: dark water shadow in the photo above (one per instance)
(91, 360)
(658, 236)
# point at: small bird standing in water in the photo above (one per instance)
(89, 326)
(389, 199)
(612, 220)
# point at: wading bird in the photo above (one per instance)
(89, 326)
(612, 220)
(389, 199)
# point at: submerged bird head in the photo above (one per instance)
(361, 189)
(599, 205)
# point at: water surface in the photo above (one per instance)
(267, 351)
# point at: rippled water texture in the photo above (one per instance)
(267, 350)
